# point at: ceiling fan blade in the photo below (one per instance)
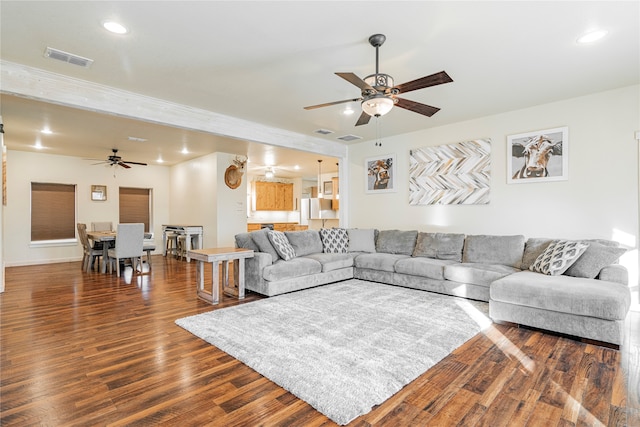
(332, 103)
(364, 119)
(427, 81)
(135, 163)
(124, 165)
(355, 80)
(416, 107)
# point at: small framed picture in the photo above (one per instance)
(539, 156)
(327, 188)
(99, 193)
(380, 172)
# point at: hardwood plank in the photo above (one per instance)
(81, 349)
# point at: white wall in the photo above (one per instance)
(200, 197)
(600, 199)
(24, 168)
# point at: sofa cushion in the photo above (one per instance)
(304, 242)
(439, 246)
(378, 261)
(558, 257)
(477, 274)
(295, 267)
(532, 250)
(261, 239)
(281, 244)
(424, 267)
(484, 249)
(564, 294)
(244, 240)
(334, 240)
(396, 241)
(332, 262)
(595, 258)
(362, 240)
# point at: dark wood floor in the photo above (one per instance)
(88, 349)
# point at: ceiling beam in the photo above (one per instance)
(34, 83)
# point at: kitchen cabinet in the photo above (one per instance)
(335, 199)
(274, 196)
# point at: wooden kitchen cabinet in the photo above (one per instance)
(274, 196)
(335, 199)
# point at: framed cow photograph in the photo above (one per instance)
(539, 156)
(380, 172)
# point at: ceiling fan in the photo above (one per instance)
(115, 160)
(379, 94)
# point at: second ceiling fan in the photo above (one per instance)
(379, 94)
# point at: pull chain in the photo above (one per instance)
(378, 140)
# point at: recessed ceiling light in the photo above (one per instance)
(348, 111)
(592, 36)
(115, 27)
(160, 160)
(46, 131)
(185, 151)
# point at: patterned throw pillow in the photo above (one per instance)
(558, 257)
(282, 245)
(334, 240)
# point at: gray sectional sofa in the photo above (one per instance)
(574, 288)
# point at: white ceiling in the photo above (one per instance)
(264, 61)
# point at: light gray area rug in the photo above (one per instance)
(346, 347)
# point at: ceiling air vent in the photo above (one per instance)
(348, 138)
(323, 131)
(67, 57)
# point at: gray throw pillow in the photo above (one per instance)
(396, 241)
(261, 239)
(362, 240)
(334, 240)
(305, 242)
(595, 258)
(532, 250)
(281, 244)
(244, 240)
(558, 257)
(439, 246)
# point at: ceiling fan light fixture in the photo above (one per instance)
(378, 105)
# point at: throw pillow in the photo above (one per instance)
(282, 245)
(362, 240)
(334, 240)
(595, 258)
(261, 239)
(558, 257)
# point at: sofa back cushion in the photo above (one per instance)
(362, 239)
(504, 250)
(439, 246)
(396, 241)
(305, 242)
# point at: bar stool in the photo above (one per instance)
(182, 245)
(172, 244)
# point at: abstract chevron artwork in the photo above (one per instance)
(452, 174)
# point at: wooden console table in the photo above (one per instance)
(216, 256)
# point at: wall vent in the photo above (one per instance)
(323, 131)
(348, 138)
(67, 57)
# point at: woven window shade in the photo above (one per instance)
(135, 205)
(53, 211)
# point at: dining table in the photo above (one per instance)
(106, 237)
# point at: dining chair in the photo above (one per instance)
(90, 253)
(149, 245)
(102, 226)
(129, 245)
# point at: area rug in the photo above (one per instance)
(345, 347)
